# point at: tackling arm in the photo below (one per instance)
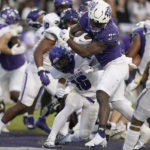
(133, 50)
(134, 47)
(93, 48)
(44, 46)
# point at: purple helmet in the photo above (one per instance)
(32, 17)
(68, 16)
(10, 15)
(61, 59)
(61, 4)
(85, 2)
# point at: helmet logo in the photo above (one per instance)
(108, 12)
(96, 14)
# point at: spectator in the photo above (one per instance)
(140, 11)
(122, 11)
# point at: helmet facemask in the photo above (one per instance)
(63, 64)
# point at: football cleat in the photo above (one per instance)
(4, 129)
(49, 144)
(139, 146)
(30, 122)
(63, 139)
(97, 140)
(41, 123)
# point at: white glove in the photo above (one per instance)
(64, 34)
(15, 29)
(60, 92)
(138, 77)
(132, 86)
(81, 39)
(16, 49)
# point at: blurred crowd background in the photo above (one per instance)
(126, 12)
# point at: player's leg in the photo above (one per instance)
(15, 84)
(46, 99)
(40, 122)
(73, 102)
(27, 95)
(140, 115)
(88, 118)
(112, 77)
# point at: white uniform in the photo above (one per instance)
(13, 73)
(83, 96)
(32, 86)
(142, 111)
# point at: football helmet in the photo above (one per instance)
(68, 16)
(61, 59)
(62, 4)
(99, 14)
(50, 20)
(10, 15)
(32, 17)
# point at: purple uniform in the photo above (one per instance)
(11, 62)
(109, 35)
(125, 42)
(141, 32)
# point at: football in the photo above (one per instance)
(14, 40)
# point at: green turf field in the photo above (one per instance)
(17, 123)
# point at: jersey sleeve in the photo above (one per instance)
(83, 21)
(139, 31)
(52, 33)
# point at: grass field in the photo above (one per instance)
(18, 125)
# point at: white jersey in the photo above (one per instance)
(146, 56)
(84, 83)
(39, 35)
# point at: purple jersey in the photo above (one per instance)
(109, 35)
(125, 42)
(10, 62)
(141, 32)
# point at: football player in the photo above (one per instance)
(30, 88)
(12, 58)
(74, 69)
(100, 26)
(141, 114)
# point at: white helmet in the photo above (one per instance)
(99, 12)
(50, 20)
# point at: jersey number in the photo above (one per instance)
(82, 83)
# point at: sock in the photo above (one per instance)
(59, 121)
(145, 133)
(131, 139)
(2, 124)
(64, 130)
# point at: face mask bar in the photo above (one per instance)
(63, 64)
(96, 24)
